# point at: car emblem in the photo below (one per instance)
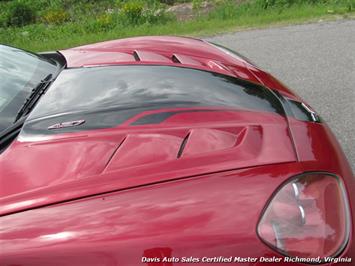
(66, 124)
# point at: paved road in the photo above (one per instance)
(317, 61)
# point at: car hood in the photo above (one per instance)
(173, 51)
(160, 50)
(38, 170)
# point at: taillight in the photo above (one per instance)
(307, 217)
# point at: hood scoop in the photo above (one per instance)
(142, 149)
(201, 141)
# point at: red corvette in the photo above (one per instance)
(160, 151)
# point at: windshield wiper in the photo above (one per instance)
(34, 96)
(9, 134)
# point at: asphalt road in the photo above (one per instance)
(317, 61)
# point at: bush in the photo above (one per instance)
(20, 14)
(133, 11)
(196, 4)
(3, 20)
(104, 22)
(140, 12)
(55, 16)
(156, 16)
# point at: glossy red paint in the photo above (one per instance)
(241, 139)
(111, 196)
(168, 50)
(206, 216)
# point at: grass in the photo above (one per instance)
(225, 18)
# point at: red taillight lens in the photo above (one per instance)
(308, 217)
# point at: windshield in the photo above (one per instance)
(108, 96)
(20, 72)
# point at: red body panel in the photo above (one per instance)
(135, 153)
(161, 50)
(209, 216)
(112, 196)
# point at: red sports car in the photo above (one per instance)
(160, 151)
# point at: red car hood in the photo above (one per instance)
(172, 51)
(41, 170)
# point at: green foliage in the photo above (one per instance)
(350, 5)
(155, 13)
(67, 23)
(133, 10)
(226, 10)
(55, 16)
(197, 4)
(93, 15)
(103, 23)
(19, 14)
(3, 19)
(278, 3)
(168, 2)
(265, 4)
(143, 12)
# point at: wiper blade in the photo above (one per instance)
(34, 96)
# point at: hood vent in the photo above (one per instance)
(149, 148)
(186, 60)
(175, 59)
(136, 56)
(183, 144)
